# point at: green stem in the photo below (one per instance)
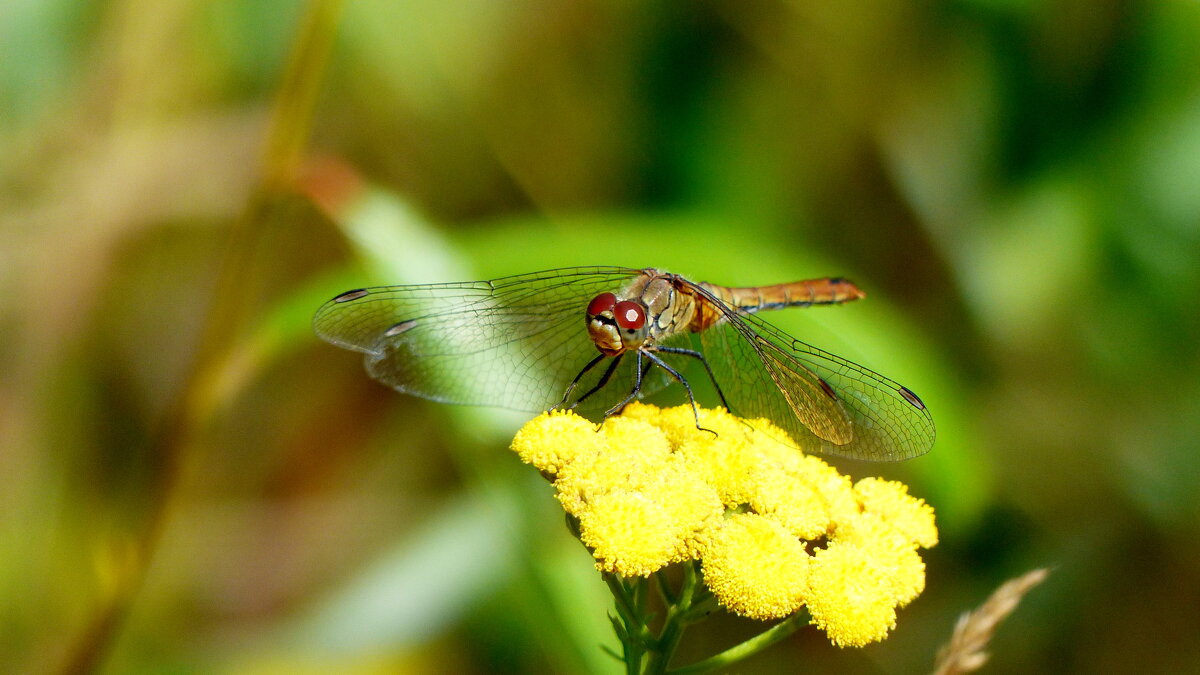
(632, 616)
(691, 604)
(641, 596)
(748, 648)
(621, 596)
(664, 588)
(676, 622)
(703, 606)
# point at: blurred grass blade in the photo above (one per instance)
(964, 653)
(415, 592)
(395, 244)
(176, 439)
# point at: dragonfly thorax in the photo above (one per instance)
(616, 326)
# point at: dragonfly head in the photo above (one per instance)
(616, 325)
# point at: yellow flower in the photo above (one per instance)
(891, 502)
(553, 439)
(848, 595)
(630, 533)
(890, 551)
(755, 567)
(649, 489)
(638, 506)
(626, 453)
(804, 493)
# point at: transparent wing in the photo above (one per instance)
(826, 404)
(515, 342)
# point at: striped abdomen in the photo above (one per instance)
(747, 300)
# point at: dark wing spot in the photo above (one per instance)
(352, 295)
(402, 327)
(827, 389)
(912, 398)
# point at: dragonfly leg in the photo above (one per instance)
(695, 354)
(608, 372)
(637, 386)
(679, 378)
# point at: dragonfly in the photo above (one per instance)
(593, 339)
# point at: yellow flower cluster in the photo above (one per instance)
(773, 529)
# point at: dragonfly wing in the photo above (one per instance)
(825, 403)
(515, 342)
(810, 398)
(760, 380)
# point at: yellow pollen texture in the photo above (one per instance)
(774, 530)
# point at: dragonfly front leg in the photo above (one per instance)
(682, 380)
(608, 373)
(637, 386)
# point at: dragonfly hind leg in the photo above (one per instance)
(637, 387)
(708, 369)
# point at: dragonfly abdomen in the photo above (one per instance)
(751, 299)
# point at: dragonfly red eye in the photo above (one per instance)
(629, 315)
(601, 303)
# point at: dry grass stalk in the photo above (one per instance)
(964, 652)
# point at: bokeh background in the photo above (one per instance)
(191, 482)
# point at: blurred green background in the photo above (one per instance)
(192, 482)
